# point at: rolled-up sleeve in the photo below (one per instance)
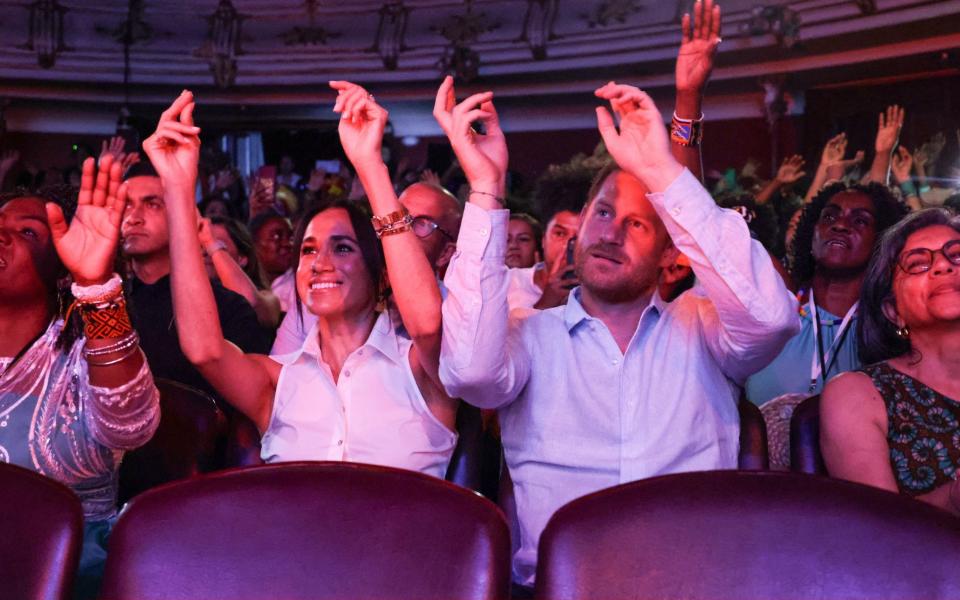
(121, 418)
(481, 359)
(756, 313)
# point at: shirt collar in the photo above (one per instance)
(382, 338)
(574, 312)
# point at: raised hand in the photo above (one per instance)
(698, 47)
(362, 122)
(888, 129)
(791, 170)
(113, 148)
(129, 160)
(204, 233)
(560, 279)
(483, 156)
(428, 176)
(88, 246)
(641, 146)
(835, 151)
(901, 165)
(174, 148)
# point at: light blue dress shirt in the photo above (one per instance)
(576, 414)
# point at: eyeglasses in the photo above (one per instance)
(424, 226)
(920, 260)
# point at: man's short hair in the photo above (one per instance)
(144, 168)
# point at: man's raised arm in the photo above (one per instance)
(481, 359)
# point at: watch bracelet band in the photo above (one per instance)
(396, 222)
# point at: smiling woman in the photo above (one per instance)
(896, 423)
(364, 385)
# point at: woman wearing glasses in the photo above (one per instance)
(355, 390)
(896, 423)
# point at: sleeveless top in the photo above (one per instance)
(923, 430)
(373, 413)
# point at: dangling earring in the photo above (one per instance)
(903, 332)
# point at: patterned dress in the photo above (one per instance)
(53, 421)
(923, 430)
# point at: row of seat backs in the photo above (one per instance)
(196, 436)
(340, 530)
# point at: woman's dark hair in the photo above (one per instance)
(57, 282)
(876, 335)
(370, 247)
(244, 242)
(232, 211)
(888, 211)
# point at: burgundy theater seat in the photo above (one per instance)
(754, 455)
(746, 535)
(40, 534)
(190, 440)
(309, 530)
(805, 456)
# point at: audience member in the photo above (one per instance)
(285, 173)
(146, 244)
(231, 259)
(272, 236)
(835, 238)
(436, 223)
(615, 385)
(71, 400)
(895, 424)
(355, 390)
(524, 236)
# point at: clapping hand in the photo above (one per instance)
(88, 245)
(174, 148)
(483, 156)
(362, 122)
(641, 146)
(698, 47)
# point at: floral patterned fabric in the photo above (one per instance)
(923, 430)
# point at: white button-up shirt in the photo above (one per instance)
(576, 415)
(373, 413)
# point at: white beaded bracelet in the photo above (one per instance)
(95, 294)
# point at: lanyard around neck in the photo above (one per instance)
(821, 362)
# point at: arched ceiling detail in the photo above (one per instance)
(282, 52)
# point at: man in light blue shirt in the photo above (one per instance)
(615, 385)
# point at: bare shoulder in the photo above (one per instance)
(852, 396)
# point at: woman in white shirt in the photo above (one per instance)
(356, 391)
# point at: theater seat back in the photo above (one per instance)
(189, 440)
(40, 534)
(748, 535)
(309, 530)
(805, 456)
(753, 438)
